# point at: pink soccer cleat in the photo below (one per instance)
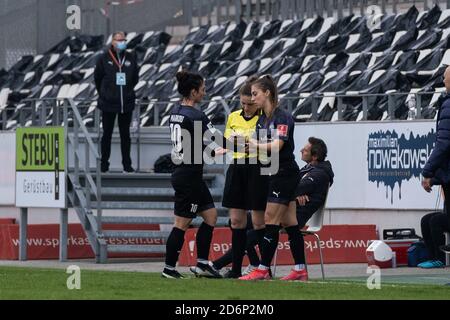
(257, 274)
(295, 275)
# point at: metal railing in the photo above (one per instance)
(81, 196)
(147, 113)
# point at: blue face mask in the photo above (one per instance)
(121, 46)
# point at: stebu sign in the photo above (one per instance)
(40, 167)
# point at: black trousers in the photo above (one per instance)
(108, 120)
(434, 225)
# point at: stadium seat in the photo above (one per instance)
(4, 93)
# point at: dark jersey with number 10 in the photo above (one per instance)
(187, 127)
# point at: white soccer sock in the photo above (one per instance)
(299, 267)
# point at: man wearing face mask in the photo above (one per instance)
(116, 75)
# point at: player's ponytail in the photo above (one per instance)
(188, 81)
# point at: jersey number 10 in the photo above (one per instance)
(175, 136)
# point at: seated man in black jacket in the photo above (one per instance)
(316, 178)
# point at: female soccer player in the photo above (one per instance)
(275, 135)
(245, 188)
(192, 196)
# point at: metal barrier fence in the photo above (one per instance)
(49, 111)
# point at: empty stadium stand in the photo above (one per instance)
(326, 69)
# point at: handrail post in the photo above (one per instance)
(87, 188)
(418, 106)
(56, 118)
(43, 113)
(138, 142)
(339, 108)
(314, 108)
(5, 119)
(390, 107)
(98, 184)
(365, 107)
(75, 149)
(33, 112)
(22, 117)
(97, 128)
(156, 114)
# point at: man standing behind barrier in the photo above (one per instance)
(116, 75)
(437, 172)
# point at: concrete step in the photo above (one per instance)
(146, 194)
(221, 221)
(141, 234)
(140, 180)
(136, 249)
(137, 220)
(139, 205)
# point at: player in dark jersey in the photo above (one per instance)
(275, 138)
(192, 196)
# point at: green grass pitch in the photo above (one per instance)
(49, 284)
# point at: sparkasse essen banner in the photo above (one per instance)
(40, 167)
(377, 165)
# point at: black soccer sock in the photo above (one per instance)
(238, 243)
(297, 244)
(269, 244)
(203, 240)
(252, 241)
(173, 246)
(224, 260)
(260, 236)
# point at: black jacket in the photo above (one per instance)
(111, 99)
(314, 182)
(438, 164)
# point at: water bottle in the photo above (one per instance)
(412, 108)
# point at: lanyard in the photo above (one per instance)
(116, 61)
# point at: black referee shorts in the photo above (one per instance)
(282, 186)
(245, 188)
(191, 193)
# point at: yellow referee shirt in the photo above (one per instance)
(238, 125)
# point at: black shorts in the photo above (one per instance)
(191, 193)
(282, 186)
(245, 188)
